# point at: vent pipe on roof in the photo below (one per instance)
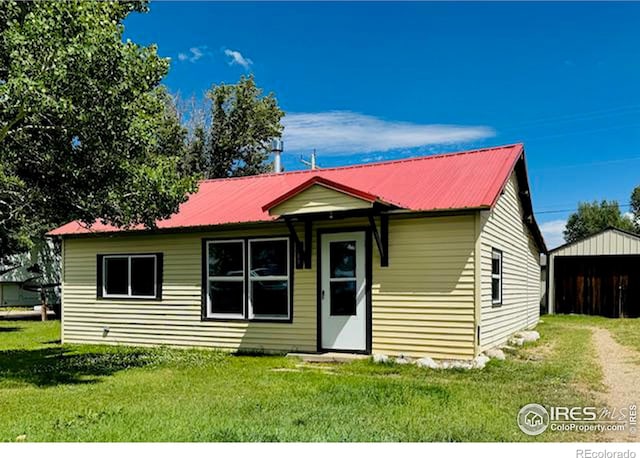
(276, 149)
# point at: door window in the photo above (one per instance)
(342, 278)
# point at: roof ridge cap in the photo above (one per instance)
(370, 164)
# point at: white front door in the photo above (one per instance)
(343, 293)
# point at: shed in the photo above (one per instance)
(597, 275)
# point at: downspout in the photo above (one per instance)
(477, 258)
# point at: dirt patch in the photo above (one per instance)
(620, 371)
(537, 353)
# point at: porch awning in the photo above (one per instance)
(321, 195)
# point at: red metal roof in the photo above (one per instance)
(453, 181)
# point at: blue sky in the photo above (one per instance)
(370, 81)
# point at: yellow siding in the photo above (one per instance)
(503, 228)
(423, 303)
(176, 319)
(319, 199)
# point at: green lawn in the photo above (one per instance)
(51, 392)
(626, 331)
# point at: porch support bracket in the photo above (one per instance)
(303, 250)
(381, 238)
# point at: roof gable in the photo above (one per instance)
(468, 180)
(632, 241)
(319, 194)
(317, 198)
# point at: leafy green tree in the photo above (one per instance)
(635, 207)
(233, 140)
(86, 130)
(594, 217)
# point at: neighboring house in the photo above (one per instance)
(12, 278)
(597, 275)
(22, 274)
(434, 256)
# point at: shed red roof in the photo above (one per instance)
(453, 181)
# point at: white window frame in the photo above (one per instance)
(210, 312)
(129, 294)
(286, 278)
(496, 254)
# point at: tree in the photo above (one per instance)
(635, 207)
(594, 217)
(233, 140)
(86, 130)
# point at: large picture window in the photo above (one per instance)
(496, 277)
(248, 279)
(135, 276)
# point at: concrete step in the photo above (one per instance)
(330, 357)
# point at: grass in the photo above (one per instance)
(626, 331)
(54, 392)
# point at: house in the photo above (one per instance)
(435, 255)
(597, 275)
(22, 275)
(12, 292)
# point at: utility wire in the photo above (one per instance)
(574, 209)
(584, 116)
(587, 164)
(584, 132)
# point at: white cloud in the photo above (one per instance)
(238, 59)
(552, 232)
(195, 54)
(336, 132)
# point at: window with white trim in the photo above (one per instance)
(130, 276)
(496, 277)
(249, 279)
(269, 278)
(225, 283)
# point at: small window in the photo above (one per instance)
(116, 276)
(143, 276)
(129, 276)
(225, 289)
(496, 277)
